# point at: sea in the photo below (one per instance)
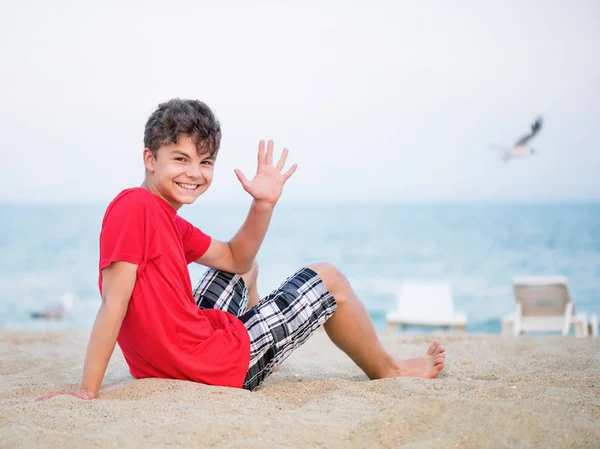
(48, 251)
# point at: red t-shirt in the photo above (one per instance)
(164, 333)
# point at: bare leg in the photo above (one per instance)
(351, 330)
(250, 278)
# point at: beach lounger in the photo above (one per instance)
(426, 304)
(593, 325)
(544, 304)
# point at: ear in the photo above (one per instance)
(149, 160)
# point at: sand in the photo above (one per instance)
(494, 392)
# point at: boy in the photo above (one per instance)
(219, 333)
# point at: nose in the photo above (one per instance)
(193, 172)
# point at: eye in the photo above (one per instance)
(208, 162)
(180, 159)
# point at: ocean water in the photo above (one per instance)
(47, 251)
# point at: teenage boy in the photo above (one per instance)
(220, 333)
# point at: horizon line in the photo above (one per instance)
(98, 202)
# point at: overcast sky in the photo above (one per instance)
(376, 100)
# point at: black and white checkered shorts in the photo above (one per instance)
(278, 324)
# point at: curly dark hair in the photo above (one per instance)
(176, 117)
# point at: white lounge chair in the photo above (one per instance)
(426, 304)
(543, 303)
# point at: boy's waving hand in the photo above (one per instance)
(267, 184)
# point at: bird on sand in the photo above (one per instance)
(58, 310)
(521, 148)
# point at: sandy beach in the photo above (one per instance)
(494, 392)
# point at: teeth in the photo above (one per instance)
(188, 186)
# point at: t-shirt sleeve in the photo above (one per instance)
(126, 231)
(195, 242)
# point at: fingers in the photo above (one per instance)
(241, 177)
(290, 172)
(266, 158)
(282, 159)
(86, 396)
(269, 156)
(261, 153)
(45, 396)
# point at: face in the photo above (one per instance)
(178, 174)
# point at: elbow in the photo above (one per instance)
(251, 267)
(243, 268)
(240, 265)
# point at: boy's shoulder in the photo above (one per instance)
(133, 195)
(130, 201)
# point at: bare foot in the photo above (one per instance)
(428, 366)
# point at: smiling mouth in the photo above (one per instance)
(188, 187)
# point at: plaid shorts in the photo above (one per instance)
(278, 324)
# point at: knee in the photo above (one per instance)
(333, 278)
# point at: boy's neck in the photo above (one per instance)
(149, 186)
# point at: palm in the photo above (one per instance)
(266, 185)
(268, 182)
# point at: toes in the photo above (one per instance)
(439, 350)
(435, 348)
(438, 361)
(437, 369)
(432, 349)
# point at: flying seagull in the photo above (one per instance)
(520, 149)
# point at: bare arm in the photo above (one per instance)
(237, 255)
(118, 281)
